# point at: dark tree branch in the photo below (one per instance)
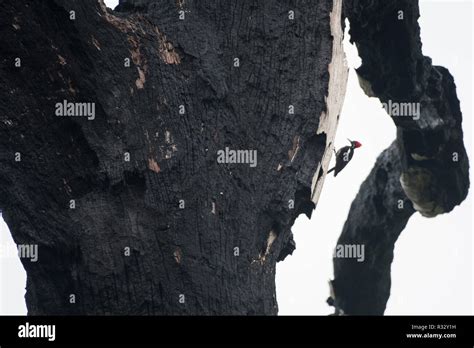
(216, 254)
(426, 169)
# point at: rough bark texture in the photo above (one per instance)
(137, 204)
(425, 169)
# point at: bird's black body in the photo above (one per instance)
(343, 156)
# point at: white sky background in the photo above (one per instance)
(432, 272)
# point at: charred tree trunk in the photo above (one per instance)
(130, 208)
(426, 168)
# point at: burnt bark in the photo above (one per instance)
(426, 168)
(143, 173)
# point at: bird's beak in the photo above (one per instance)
(349, 140)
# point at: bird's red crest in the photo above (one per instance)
(357, 144)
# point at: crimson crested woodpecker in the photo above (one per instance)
(343, 156)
